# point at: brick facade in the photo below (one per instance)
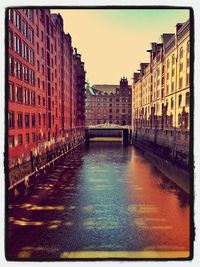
(45, 77)
(109, 104)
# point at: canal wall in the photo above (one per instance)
(174, 143)
(21, 177)
(176, 172)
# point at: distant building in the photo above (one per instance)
(161, 95)
(109, 104)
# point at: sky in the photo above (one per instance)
(113, 43)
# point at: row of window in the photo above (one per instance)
(24, 96)
(21, 71)
(20, 47)
(123, 122)
(20, 95)
(26, 121)
(29, 138)
(21, 24)
(181, 52)
(180, 103)
(157, 92)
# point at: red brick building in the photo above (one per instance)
(46, 84)
(109, 104)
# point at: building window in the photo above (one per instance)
(172, 103)
(39, 100)
(17, 20)
(38, 49)
(25, 73)
(180, 82)
(38, 65)
(33, 120)
(38, 82)
(30, 14)
(173, 72)
(181, 66)
(31, 35)
(32, 77)
(33, 137)
(179, 100)
(32, 98)
(11, 65)
(39, 119)
(27, 138)
(42, 69)
(25, 28)
(42, 36)
(27, 120)
(173, 59)
(188, 62)
(18, 69)
(31, 56)
(37, 30)
(19, 94)
(10, 39)
(11, 141)
(20, 139)
(43, 85)
(11, 120)
(43, 102)
(17, 44)
(187, 78)
(172, 87)
(42, 51)
(11, 92)
(187, 99)
(181, 52)
(26, 97)
(10, 15)
(20, 120)
(168, 63)
(25, 51)
(44, 119)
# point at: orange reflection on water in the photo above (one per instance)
(165, 212)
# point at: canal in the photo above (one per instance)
(103, 201)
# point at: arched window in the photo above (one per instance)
(172, 103)
(181, 52)
(168, 63)
(38, 80)
(173, 59)
(166, 104)
(187, 99)
(180, 100)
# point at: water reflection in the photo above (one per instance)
(107, 198)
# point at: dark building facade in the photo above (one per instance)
(46, 85)
(109, 104)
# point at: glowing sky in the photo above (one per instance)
(114, 42)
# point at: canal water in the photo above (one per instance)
(103, 198)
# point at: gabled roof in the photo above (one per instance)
(107, 88)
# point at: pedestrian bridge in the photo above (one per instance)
(109, 130)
